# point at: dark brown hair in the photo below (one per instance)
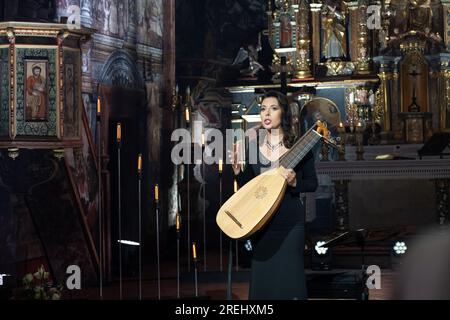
(289, 136)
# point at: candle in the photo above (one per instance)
(178, 222)
(194, 251)
(139, 163)
(187, 114)
(235, 186)
(203, 138)
(119, 132)
(98, 105)
(220, 165)
(156, 193)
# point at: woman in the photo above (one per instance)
(277, 270)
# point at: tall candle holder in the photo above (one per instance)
(220, 205)
(342, 138)
(140, 222)
(100, 216)
(157, 240)
(194, 257)
(359, 142)
(187, 118)
(178, 229)
(204, 200)
(119, 143)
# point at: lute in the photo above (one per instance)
(252, 206)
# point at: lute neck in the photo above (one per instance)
(299, 150)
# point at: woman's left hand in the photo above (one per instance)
(290, 177)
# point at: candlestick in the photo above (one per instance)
(342, 136)
(194, 251)
(220, 166)
(119, 139)
(178, 229)
(98, 106)
(194, 255)
(186, 112)
(220, 205)
(100, 216)
(157, 240)
(359, 142)
(140, 222)
(140, 163)
(119, 132)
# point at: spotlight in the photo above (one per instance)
(128, 242)
(400, 248)
(319, 249)
(248, 245)
(321, 256)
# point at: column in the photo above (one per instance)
(316, 28)
(86, 9)
(302, 63)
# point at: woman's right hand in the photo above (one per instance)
(233, 157)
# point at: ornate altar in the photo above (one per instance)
(413, 69)
(41, 86)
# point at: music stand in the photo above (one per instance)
(436, 145)
(358, 237)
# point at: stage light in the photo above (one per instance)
(319, 249)
(128, 242)
(400, 248)
(248, 245)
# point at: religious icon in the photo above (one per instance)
(285, 30)
(36, 96)
(420, 15)
(334, 33)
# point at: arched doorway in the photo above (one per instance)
(122, 90)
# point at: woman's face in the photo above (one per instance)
(271, 113)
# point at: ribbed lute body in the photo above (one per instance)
(251, 207)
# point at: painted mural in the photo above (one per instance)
(82, 165)
(110, 17)
(149, 22)
(36, 92)
(71, 93)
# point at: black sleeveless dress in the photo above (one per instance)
(277, 265)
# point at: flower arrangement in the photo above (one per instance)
(37, 286)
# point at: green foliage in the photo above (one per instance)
(38, 287)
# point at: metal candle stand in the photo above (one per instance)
(119, 142)
(140, 222)
(157, 240)
(100, 218)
